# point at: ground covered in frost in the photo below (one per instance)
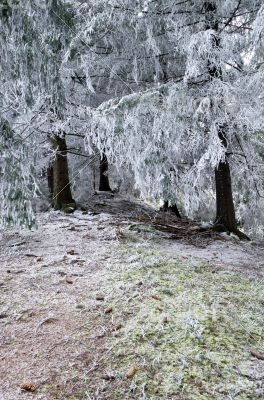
(96, 305)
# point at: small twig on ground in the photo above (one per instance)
(45, 321)
(17, 244)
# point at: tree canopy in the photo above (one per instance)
(170, 90)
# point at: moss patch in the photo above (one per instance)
(188, 328)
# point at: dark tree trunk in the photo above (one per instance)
(61, 185)
(166, 205)
(173, 208)
(225, 210)
(50, 179)
(104, 181)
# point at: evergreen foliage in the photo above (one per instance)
(166, 89)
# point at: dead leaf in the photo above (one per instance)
(165, 320)
(198, 382)
(69, 280)
(109, 310)
(39, 259)
(28, 387)
(155, 297)
(117, 327)
(131, 372)
(259, 356)
(71, 252)
(99, 297)
(108, 377)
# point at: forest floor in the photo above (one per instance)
(122, 303)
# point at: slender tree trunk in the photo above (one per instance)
(61, 185)
(50, 179)
(104, 181)
(173, 208)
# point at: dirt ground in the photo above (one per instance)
(56, 320)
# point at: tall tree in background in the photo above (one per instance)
(104, 184)
(62, 196)
(127, 52)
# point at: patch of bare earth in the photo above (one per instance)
(55, 319)
(52, 319)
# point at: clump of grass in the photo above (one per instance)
(188, 328)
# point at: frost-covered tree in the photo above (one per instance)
(183, 84)
(204, 126)
(122, 50)
(17, 152)
(17, 179)
(34, 39)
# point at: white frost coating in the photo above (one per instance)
(17, 187)
(168, 135)
(148, 65)
(32, 99)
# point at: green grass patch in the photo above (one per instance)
(188, 328)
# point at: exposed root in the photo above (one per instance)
(241, 235)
